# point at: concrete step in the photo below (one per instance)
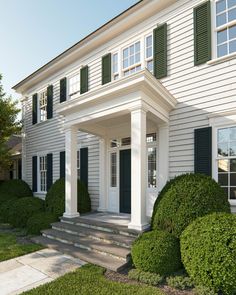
(107, 237)
(102, 226)
(105, 261)
(90, 244)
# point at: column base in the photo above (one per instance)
(71, 215)
(139, 227)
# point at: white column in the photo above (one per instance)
(163, 156)
(138, 170)
(71, 173)
(102, 175)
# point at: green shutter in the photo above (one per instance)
(49, 102)
(160, 51)
(203, 151)
(35, 108)
(34, 173)
(49, 171)
(62, 164)
(63, 89)
(202, 33)
(106, 69)
(84, 80)
(84, 166)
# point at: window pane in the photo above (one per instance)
(137, 57)
(113, 169)
(232, 179)
(149, 41)
(232, 32)
(232, 148)
(152, 167)
(221, 19)
(232, 46)
(126, 141)
(223, 135)
(137, 46)
(131, 60)
(131, 52)
(223, 166)
(221, 36)
(233, 193)
(233, 165)
(223, 179)
(223, 149)
(125, 63)
(232, 14)
(222, 50)
(150, 66)
(125, 53)
(231, 3)
(220, 6)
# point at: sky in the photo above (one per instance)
(32, 32)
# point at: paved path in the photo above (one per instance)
(31, 270)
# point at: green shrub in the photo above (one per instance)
(40, 221)
(180, 282)
(208, 248)
(145, 277)
(22, 209)
(55, 198)
(5, 209)
(188, 197)
(157, 252)
(14, 189)
(200, 290)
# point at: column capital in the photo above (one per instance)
(71, 128)
(137, 109)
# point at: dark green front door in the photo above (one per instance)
(125, 181)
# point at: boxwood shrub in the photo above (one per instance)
(181, 282)
(208, 248)
(4, 210)
(14, 189)
(186, 198)
(40, 221)
(149, 278)
(55, 198)
(157, 252)
(22, 209)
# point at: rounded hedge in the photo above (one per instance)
(40, 221)
(14, 189)
(4, 210)
(208, 249)
(188, 197)
(55, 198)
(157, 252)
(22, 209)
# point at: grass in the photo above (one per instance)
(89, 279)
(10, 248)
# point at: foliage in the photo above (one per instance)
(208, 249)
(89, 279)
(180, 282)
(39, 221)
(188, 197)
(145, 277)
(8, 124)
(22, 209)
(13, 189)
(200, 290)
(55, 198)
(157, 252)
(10, 248)
(5, 208)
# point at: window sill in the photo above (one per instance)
(41, 122)
(222, 59)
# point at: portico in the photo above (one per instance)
(121, 114)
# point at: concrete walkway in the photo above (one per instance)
(31, 270)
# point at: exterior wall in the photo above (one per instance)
(200, 91)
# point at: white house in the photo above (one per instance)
(149, 95)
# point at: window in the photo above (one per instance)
(149, 53)
(152, 137)
(74, 84)
(113, 169)
(152, 167)
(43, 173)
(226, 160)
(78, 164)
(43, 105)
(115, 70)
(126, 141)
(131, 59)
(225, 27)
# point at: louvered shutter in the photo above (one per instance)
(34, 173)
(49, 102)
(106, 69)
(49, 171)
(84, 166)
(63, 89)
(84, 80)
(35, 108)
(202, 33)
(160, 51)
(203, 150)
(62, 164)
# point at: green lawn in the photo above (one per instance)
(10, 248)
(89, 280)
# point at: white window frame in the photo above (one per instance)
(136, 64)
(150, 58)
(115, 75)
(152, 144)
(39, 174)
(71, 76)
(78, 164)
(42, 107)
(217, 29)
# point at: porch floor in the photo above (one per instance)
(114, 218)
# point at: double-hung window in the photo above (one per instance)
(43, 106)
(131, 59)
(149, 52)
(115, 68)
(225, 27)
(74, 84)
(43, 173)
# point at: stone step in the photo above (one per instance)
(102, 226)
(107, 237)
(105, 261)
(90, 244)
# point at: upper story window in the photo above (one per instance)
(115, 66)
(43, 105)
(74, 84)
(149, 52)
(131, 61)
(226, 27)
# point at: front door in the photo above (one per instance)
(125, 181)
